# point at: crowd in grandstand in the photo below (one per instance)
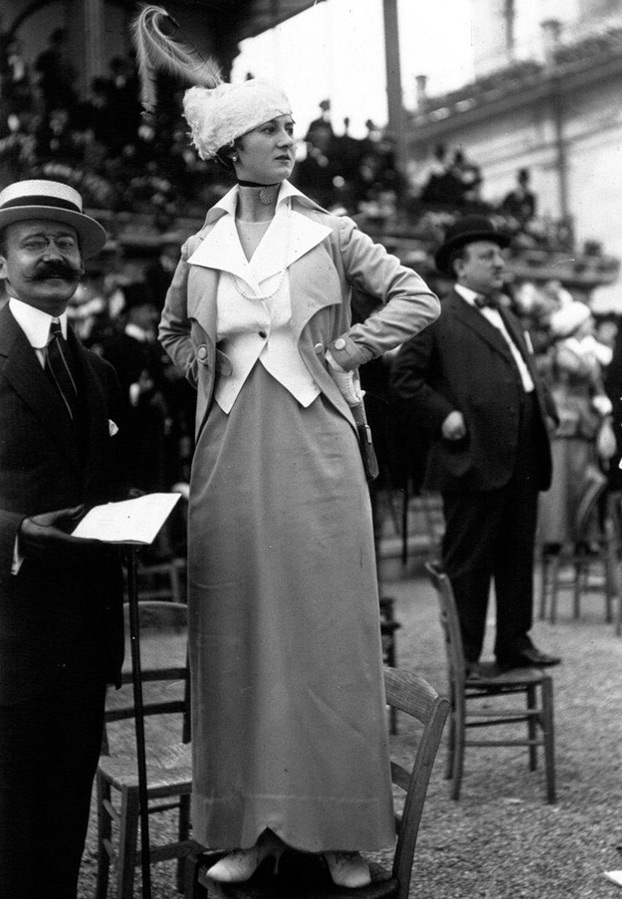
(124, 162)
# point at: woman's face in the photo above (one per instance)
(266, 154)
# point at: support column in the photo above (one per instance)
(394, 78)
(87, 33)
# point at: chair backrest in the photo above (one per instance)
(414, 696)
(450, 624)
(593, 488)
(163, 629)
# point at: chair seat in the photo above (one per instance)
(302, 875)
(511, 678)
(172, 767)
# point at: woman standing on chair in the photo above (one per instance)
(288, 711)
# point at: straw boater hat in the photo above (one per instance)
(53, 201)
(467, 230)
(217, 112)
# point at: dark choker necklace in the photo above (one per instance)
(267, 194)
(255, 184)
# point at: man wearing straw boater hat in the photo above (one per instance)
(61, 636)
(471, 381)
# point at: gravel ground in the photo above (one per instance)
(502, 840)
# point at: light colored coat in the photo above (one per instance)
(327, 256)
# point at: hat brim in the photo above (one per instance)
(91, 234)
(444, 252)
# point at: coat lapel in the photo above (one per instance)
(289, 237)
(221, 250)
(94, 403)
(23, 371)
(478, 323)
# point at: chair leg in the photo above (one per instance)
(611, 577)
(532, 727)
(127, 856)
(554, 579)
(458, 759)
(192, 888)
(183, 833)
(544, 564)
(579, 580)
(549, 738)
(104, 832)
(451, 746)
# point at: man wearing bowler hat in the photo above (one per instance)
(61, 631)
(470, 380)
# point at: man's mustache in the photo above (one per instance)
(58, 270)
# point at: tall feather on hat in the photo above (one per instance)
(161, 45)
(217, 112)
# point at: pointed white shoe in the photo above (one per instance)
(241, 864)
(347, 869)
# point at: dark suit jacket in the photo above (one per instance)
(463, 362)
(67, 616)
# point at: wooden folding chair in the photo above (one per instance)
(495, 686)
(589, 564)
(163, 642)
(303, 875)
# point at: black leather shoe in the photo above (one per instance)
(530, 657)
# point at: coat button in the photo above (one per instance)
(202, 352)
(263, 335)
(340, 344)
(319, 348)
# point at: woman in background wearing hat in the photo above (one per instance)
(584, 441)
(289, 732)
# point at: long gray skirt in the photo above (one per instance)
(288, 713)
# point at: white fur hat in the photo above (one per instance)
(216, 111)
(569, 318)
(218, 115)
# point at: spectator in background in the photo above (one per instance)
(470, 379)
(138, 360)
(468, 176)
(159, 272)
(57, 76)
(584, 441)
(520, 203)
(15, 78)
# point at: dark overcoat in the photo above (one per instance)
(462, 362)
(66, 616)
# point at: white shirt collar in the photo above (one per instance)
(466, 293)
(34, 322)
(228, 203)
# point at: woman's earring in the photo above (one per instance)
(234, 158)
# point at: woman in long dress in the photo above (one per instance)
(288, 709)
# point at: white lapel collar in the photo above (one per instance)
(289, 237)
(221, 249)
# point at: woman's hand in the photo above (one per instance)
(346, 382)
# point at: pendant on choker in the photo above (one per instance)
(267, 192)
(266, 195)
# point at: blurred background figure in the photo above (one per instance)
(584, 441)
(137, 359)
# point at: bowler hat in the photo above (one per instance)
(54, 201)
(467, 230)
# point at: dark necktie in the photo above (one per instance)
(482, 301)
(59, 368)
